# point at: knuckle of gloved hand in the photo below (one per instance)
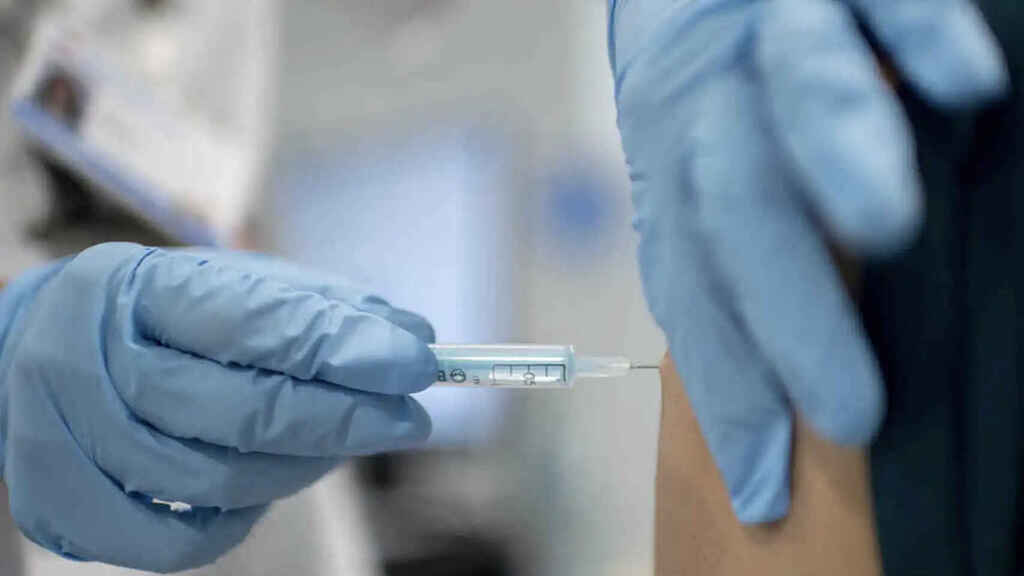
(881, 224)
(27, 360)
(26, 516)
(173, 555)
(852, 417)
(189, 545)
(205, 542)
(412, 323)
(223, 485)
(371, 302)
(101, 261)
(421, 371)
(102, 256)
(43, 530)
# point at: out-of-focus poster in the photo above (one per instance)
(162, 106)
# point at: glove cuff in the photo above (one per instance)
(13, 300)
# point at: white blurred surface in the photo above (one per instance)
(431, 81)
(173, 107)
(577, 469)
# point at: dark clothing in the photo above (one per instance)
(947, 465)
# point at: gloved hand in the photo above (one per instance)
(755, 133)
(221, 380)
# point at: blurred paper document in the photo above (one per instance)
(163, 106)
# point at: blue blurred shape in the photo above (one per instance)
(578, 210)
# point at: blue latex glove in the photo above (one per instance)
(755, 132)
(222, 380)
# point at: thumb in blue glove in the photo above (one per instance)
(755, 132)
(223, 380)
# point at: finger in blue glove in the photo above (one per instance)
(224, 380)
(755, 133)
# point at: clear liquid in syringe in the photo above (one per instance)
(522, 365)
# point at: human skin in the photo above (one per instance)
(829, 529)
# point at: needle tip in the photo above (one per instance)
(644, 367)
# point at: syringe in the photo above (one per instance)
(523, 366)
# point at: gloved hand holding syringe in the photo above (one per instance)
(523, 365)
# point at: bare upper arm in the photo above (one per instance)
(830, 528)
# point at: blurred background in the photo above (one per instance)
(458, 156)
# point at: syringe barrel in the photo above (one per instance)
(505, 365)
